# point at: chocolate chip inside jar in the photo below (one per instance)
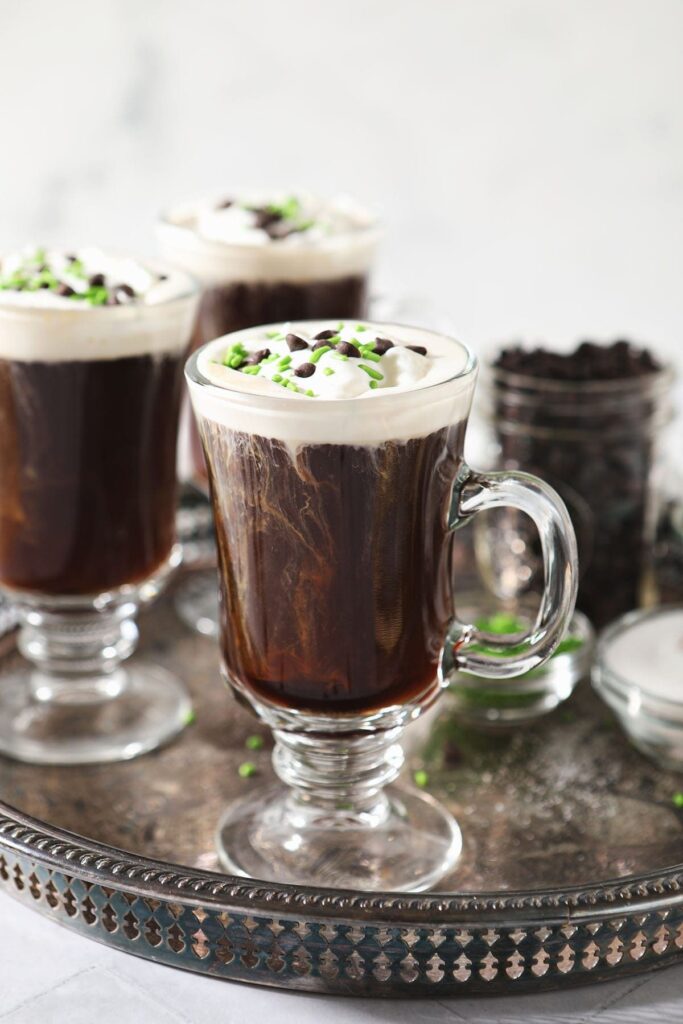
(589, 422)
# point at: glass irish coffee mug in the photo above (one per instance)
(261, 257)
(334, 519)
(90, 389)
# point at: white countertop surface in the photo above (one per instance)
(51, 976)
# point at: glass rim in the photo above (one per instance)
(195, 376)
(614, 681)
(661, 378)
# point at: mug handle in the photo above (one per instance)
(473, 492)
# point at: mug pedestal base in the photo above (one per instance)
(47, 719)
(404, 842)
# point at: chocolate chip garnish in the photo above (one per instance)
(305, 370)
(256, 357)
(324, 335)
(64, 289)
(382, 345)
(224, 204)
(264, 218)
(70, 257)
(321, 344)
(279, 230)
(163, 277)
(420, 349)
(97, 280)
(347, 349)
(295, 343)
(123, 294)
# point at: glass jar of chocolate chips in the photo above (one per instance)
(589, 423)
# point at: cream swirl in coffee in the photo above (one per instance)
(332, 448)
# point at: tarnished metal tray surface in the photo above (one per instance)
(570, 871)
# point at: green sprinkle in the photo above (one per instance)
(677, 799)
(371, 372)
(361, 327)
(253, 370)
(328, 371)
(76, 268)
(274, 334)
(319, 353)
(340, 325)
(421, 778)
(96, 296)
(284, 362)
(310, 393)
(339, 355)
(500, 623)
(235, 361)
(254, 742)
(273, 358)
(190, 717)
(291, 386)
(276, 378)
(369, 354)
(289, 209)
(374, 384)
(246, 770)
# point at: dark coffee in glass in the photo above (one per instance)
(91, 359)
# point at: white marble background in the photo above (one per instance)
(527, 154)
(528, 158)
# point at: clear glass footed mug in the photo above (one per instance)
(89, 403)
(334, 520)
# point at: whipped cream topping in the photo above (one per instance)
(399, 394)
(57, 306)
(280, 219)
(341, 360)
(251, 236)
(50, 278)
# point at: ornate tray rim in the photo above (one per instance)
(98, 862)
(337, 941)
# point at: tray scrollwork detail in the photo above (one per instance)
(336, 942)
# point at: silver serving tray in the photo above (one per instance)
(570, 871)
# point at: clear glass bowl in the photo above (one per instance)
(522, 699)
(638, 672)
